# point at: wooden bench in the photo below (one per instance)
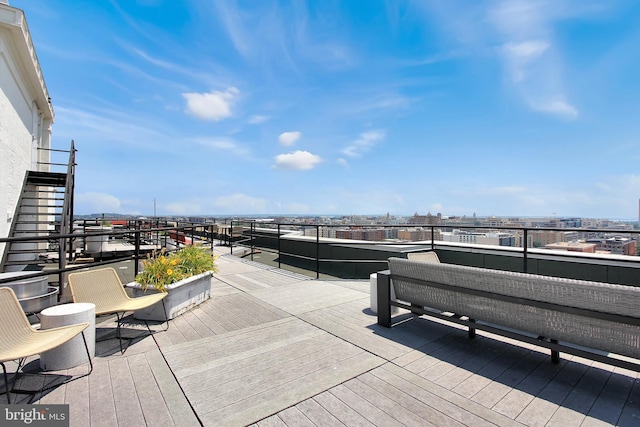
(588, 319)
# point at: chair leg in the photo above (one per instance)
(15, 378)
(119, 322)
(6, 382)
(166, 317)
(86, 347)
(118, 333)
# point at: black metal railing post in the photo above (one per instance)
(525, 245)
(136, 257)
(317, 251)
(433, 238)
(252, 231)
(230, 239)
(279, 256)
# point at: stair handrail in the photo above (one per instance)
(65, 247)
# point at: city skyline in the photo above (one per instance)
(522, 108)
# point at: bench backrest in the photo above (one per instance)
(605, 297)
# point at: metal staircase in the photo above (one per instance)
(43, 212)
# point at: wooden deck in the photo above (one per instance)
(272, 348)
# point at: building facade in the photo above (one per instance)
(26, 114)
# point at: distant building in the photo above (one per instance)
(491, 238)
(373, 235)
(544, 238)
(570, 223)
(615, 245)
(417, 234)
(427, 219)
(572, 247)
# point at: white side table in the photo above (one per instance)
(373, 295)
(72, 353)
(373, 292)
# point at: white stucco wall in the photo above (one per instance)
(24, 124)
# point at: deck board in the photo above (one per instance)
(293, 417)
(373, 338)
(444, 400)
(76, 392)
(177, 404)
(543, 407)
(263, 370)
(100, 390)
(364, 407)
(309, 295)
(127, 406)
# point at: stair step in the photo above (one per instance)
(25, 262)
(28, 250)
(56, 190)
(55, 179)
(22, 252)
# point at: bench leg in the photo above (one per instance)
(472, 331)
(417, 313)
(384, 295)
(555, 354)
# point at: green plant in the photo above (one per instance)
(161, 269)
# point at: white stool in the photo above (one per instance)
(71, 353)
(373, 292)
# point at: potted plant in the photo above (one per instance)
(185, 275)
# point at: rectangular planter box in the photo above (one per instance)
(182, 297)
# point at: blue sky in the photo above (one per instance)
(519, 107)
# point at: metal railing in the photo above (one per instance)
(134, 232)
(257, 237)
(287, 241)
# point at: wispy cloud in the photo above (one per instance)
(112, 126)
(224, 144)
(522, 35)
(240, 203)
(533, 61)
(257, 119)
(98, 202)
(364, 143)
(273, 36)
(213, 106)
(233, 21)
(557, 107)
(520, 55)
